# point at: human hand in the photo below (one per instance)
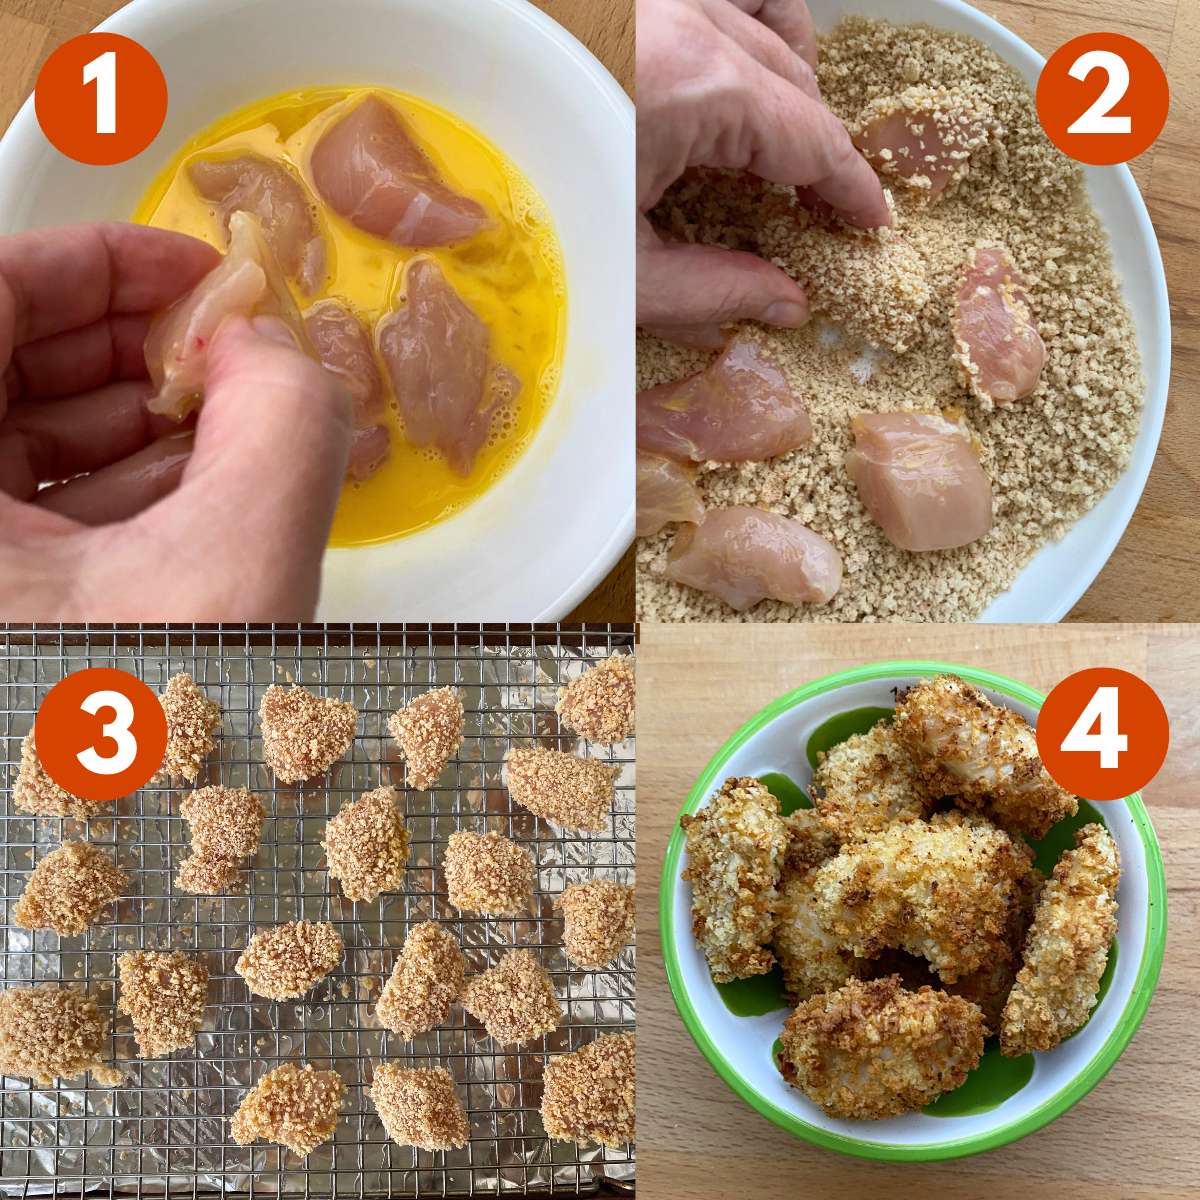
(730, 83)
(228, 522)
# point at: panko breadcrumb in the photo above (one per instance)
(52, 1031)
(294, 1106)
(735, 851)
(419, 1107)
(35, 792)
(429, 731)
(598, 920)
(809, 840)
(192, 719)
(367, 845)
(304, 735)
(226, 826)
(589, 1095)
(600, 704)
(424, 983)
(285, 962)
(164, 995)
(488, 874)
(69, 889)
(515, 1000)
(575, 793)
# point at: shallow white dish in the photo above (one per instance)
(538, 542)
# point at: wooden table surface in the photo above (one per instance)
(1134, 1136)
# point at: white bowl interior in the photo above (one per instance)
(538, 541)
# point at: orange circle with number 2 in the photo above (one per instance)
(101, 98)
(1103, 733)
(100, 733)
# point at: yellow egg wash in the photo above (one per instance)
(511, 274)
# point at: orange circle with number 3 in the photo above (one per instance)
(100, 733)
(1103, 733)
(101, 98)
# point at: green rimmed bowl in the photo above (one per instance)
(737, 1025)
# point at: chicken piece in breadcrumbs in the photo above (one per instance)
(488, 874)
(982, 754)
(874, 1050)
(1067, 946)
(164, 996)
(304, 735)
(285, 962)
(419, 1107)
(598, 920)
(296, 1107)
(424, 983)
(868, 781)
(192, 719)
(429, 731)
(35, 792)
(515, 1000)
(50, 1032)
(69, 889)
(226, 825)
(735, 851)
(575, 793)
(589, 1095)
(599, 705)
(367, 845)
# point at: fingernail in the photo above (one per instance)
(787, 313)
(273, 329)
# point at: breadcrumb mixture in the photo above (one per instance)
(35, 792)
(367, 845)
(192, 718)
(589, 1095)
(515, 1000)
(430, 732)
(69, 889)
(304, 735)
(1050, 458)
(296, 1107)
(575, 793)
(419, 1107)
(285, 962)
(598, 919)
(488, 874)
(600, 704)
(226, 826)
(52, 1031)
(164, 996)
(426, 980)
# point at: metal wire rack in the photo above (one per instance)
(165, 1131)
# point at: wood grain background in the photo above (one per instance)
(1133, 1137)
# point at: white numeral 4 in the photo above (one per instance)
(1098, 118)
(1101, 711)
(117, 729)
(102, 72)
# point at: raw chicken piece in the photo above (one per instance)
(344, 347)
(744, 555)
(920, 479)
(368, 167)
(665, 493)
(999, 348)
(447, 385)
(739, 409)
(247, 282)
(270, 192)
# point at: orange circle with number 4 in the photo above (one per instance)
(101, 98)
(100, 733)
(1103, 733)
(1103, 98)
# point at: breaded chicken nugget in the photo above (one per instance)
(1067, 947)
(873, 1050)
(812, 958)
(735, 849)
(983, 755)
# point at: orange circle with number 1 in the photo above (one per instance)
(100, 733)
(1103, 733)
(101, 98)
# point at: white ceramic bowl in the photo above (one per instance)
(548, 532)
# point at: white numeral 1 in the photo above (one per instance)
(1106, 742)
(117, 729)
(1098, 118)
(102, 72)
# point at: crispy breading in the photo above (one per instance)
(164, 995)
(488, 874)
(35, 792)
(426, 980)
(811, 958)
(429, 731)
(366, 845)
(515, 1000)
(1067, 946)
(191, 720)
(873, 1050)
(52, 1031)
(303, 735)
(589, 1095)
(226, 826)
(574, 792)
(284, 962)
(69, 889)
(598, 919)
(599, 705)
(296, 1107)
(810, 841)
(419, 1107)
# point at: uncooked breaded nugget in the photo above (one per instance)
(191, 720)
(419, 1107)
(367, 845)
(424, 983)
(1067, 946)
(164, 995)
(812, 959)
(69, 889)
(873, 1050)
(285, 962)
(304, 735)
(296, 1107)
(226, 826)
(35, 792)
(589, 1095)
(810, 841)
(983, 755)
(600, 704)
(52, 1031)
(598, 920)
(429, 731)
(735, 850)
(576, 793)
(515, 999)
(488, 874)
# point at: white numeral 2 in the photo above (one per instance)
(1106, 742)
(1097, 119)
(102, 72)
(117, 729)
